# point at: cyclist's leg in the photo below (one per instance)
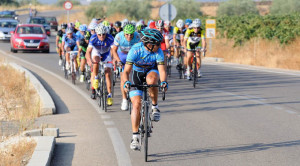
(152, 78)
(95, 67)
(124, 103)
(82, 61)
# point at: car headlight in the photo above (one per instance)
(45, 40)
(19, 40)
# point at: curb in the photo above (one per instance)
(43, 151)
(47, 106)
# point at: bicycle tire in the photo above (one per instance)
(146, 129)
(73, 77)
(195, 72)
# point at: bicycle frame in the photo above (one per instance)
(73, 69)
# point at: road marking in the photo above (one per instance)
(290, 112)
(105, 116)
(109, 123)
(122, 155)
(257, 68)
(120, 150)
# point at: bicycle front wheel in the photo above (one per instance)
(195, 71)
(146, 127)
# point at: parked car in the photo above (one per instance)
(42, 21)
(8, 14)
(6, 26)
(52, 22)
(30, 37)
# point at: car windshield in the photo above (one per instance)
(30, 30)
(8, 24)
(50, 19)
(38, 21)
(6, 13)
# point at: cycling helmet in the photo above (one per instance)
(188, 21)
(87, 35)
(100, 29)
(82, 27)
(69, 30)
(142, 21)
(92, 26)
(125, 22)
(129, 29)
(105, 23)
(196, 23)
(180, 23)
(117, 24)
(159, 24)
(63, 26)
(167, 23)
(77, 24)
(133, 23)
(152, 36)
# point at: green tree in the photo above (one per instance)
(95, 10)
(134, 9)
(187, 9)
(8, 2)
(285, 6)
(237, 7)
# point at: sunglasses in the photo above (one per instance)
(197, 28)
(129, 34)
(101, 34)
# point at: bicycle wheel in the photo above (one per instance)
(64, 67)
(146, 129)
(195, 72)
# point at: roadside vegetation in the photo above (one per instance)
(19, 106)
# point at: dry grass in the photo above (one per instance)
(80, 16)
(18, 99)
(17, 154)
(259, 52)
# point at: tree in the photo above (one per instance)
(187, 9)
(285, 6)
(237, 7)
(61, 2)
(95, 10)
(8, 2)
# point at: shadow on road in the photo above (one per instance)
(63, 154)
(218, 151)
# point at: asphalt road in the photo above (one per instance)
(237, 115)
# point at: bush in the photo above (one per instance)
(237, 7)
(9, 2)
(285, 6)
(187, 9)
(133, 9)
(95, 10)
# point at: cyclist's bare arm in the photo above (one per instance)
(182, 40)
(88, 55)
(57, 41)
(167, 43)
(204, 44)
(126, 72)
(115, 53)
(162, 72)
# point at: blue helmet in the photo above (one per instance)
(188, 21)
(152, 36)
(82, 27)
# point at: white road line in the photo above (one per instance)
(105, 116)
(121, 150)
(290, 112)
(109, 123)
(257, 68)
(122, 155)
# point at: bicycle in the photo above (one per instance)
(194, 73)
(87, 76)
(145, 127)
(169, 65)
(73, 67)
(180, 66)
(101, 92)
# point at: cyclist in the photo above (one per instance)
(76, 26)
(147, 61)
(124, 22)
(140, 26)
(84, 36)
(165, 42)
(59, 36)
(70, 43)
(92, 27)
(122, 44)
(178, 38)
(194, 37)
(188, 22)
(117, 28)
(108, 27)
(99, 50)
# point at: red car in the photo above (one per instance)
(31, 37)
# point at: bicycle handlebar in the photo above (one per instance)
(148, 86)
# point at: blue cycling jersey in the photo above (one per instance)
(101, 48)
(143, 60)
(79, 35)
(70, 42)
(123, 44)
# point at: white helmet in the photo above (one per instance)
(69, 30)
(180, 23)
(133, 23)
(100, 29)
(92, 26)
(124, 22)
(196, 23)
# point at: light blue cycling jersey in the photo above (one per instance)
(101, 48)
(143, 60)
(123, 44)
(70, 42)
(79, 35)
